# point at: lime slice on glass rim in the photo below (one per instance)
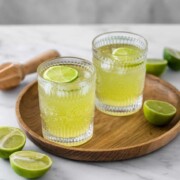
(173, 58)
(155, 66)
(126, 55)
(60, 74)
(158, 112)
(11, 140)
(30, 164)
(124, 51)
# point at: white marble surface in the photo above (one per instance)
(18, 43)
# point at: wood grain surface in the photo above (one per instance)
(115, 138)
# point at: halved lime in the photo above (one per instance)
(60, 74)
(30, 164)
(156, 66)
(158, 112)
(11, 140)
(173, 58)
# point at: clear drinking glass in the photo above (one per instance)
(119, 59)
(67, 109)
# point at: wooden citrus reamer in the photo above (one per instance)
(12, 74)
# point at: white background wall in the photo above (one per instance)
(89, 11)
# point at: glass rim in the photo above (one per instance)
(121, 32)
(59, 59)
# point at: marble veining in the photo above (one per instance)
(19, 43)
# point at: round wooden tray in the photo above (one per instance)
(115, 138)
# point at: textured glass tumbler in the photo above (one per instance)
(119, 59)
(67, 109)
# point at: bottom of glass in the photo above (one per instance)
(71, 141)
(120, 110)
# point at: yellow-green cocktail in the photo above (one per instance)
(119, 58)
(66, 95)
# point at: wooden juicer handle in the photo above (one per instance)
(12, 74)
(33, 63)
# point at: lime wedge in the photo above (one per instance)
(158, 112)
(30, 164)
(60, 74)
(156, 66)
(11, 140)
(173, 58)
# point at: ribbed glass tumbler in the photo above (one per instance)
(67, 108)
(119, 59)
